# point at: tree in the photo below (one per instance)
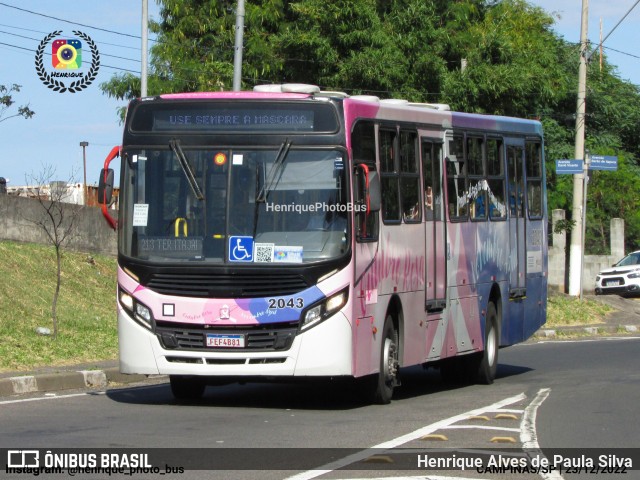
(58, 222)
(6, 101)
(515, 65)
(195, 48)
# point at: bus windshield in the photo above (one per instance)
(220, 205)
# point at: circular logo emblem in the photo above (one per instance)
(67, 62)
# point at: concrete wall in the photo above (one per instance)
(558, 256)
(92, 234)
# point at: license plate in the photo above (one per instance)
(225, 341)
(613, 283)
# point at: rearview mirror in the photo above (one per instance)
(375, 198)
(367, 188)
(105, 186)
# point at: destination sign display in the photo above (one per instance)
(233, 117)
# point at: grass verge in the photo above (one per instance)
(86, 308)
(565, 311)
(87, 313)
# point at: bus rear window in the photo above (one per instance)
(237, 117)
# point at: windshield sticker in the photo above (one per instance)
(263, 252)
(140, 214)
(287, 254)
(238, 159)
(240, 249)
(171, 247)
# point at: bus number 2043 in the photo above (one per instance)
(280, 303)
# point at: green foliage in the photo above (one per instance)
(515, 65)
(7, 101)
(87, 308)
(565, 311)
(511, 61)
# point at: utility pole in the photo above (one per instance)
(576, 252)
(237, 56)
(84, 146)
(145, 49)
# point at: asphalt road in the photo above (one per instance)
(579, 395)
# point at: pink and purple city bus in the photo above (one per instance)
(291, 233)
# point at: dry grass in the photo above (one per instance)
(564, 311)
(86, 308)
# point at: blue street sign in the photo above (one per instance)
(603, 162)
(569, 166)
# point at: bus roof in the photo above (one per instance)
(366, 106)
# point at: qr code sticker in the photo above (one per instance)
(263, 252)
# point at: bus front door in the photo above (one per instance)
(435, 245)
(435, 231)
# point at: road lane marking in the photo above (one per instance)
(420, 477)
(529, 436)
(396, 442)
(481, 427)
(48, 397)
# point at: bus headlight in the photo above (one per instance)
(324, 309)
(136, 310)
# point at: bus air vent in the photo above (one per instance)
(237, 285)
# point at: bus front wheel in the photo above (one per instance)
(380, 387)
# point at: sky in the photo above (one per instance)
(51, 138)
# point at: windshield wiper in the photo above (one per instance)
(186, 168)
(275, 173)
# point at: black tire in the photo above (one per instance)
(387, 378)
(486, 371)
(186, 388)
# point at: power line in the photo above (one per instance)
(102, 54)
(621, 52)
(614, 28)
(70, 22)
(102, 64)
(45, 33)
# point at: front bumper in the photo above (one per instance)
(324, 350)
(620, 285)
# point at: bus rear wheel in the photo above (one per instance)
(476, 367)
(186, 387)
(488, 361)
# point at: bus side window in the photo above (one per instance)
(477, 182)
(533, 161)
(495, 179)
(363, 144)
(457, 180)
(389, 176)
(410, 177)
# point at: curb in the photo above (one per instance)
(591, 330)
(69, 380)
(102, 378)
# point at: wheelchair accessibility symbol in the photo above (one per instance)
(240, 249)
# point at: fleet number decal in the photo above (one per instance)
(280, 303)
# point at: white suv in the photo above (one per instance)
(622, 279)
